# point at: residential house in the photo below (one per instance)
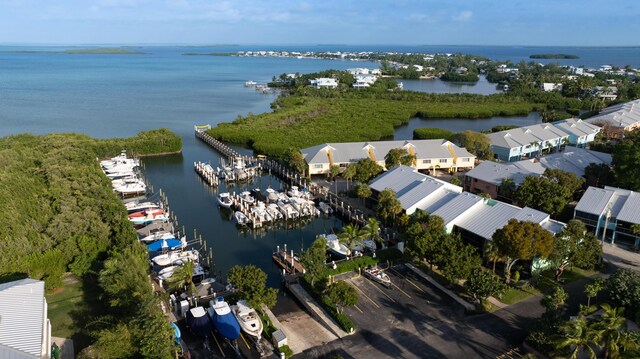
(580, 132)
(618, 119)
(324, 82)
(488, 176)
(430, 154)
(364, 81)
(529, 141)
(610, 213)
(548, 87)
(25, 330)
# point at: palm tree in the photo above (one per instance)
(577, 336)
(635, 230)
(183, 277)
(612, 324)
(492, 254)
(350, 235)
(372, 230)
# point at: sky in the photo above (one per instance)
(399, 22)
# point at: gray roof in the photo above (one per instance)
(397, 179)
(577, 127)
(438, 199)
(572, 159)
(523, 136)
(412, 187)
(353, 151)
(493, 215)
(21, 318)
(457, 206)
(623, 204)
(494, 172)
(620, 115)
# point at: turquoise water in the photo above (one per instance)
(119, 95)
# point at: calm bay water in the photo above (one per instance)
(119, 95)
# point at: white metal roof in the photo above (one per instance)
(453, 209)
(630, 212)
(21, 318)
(595, 200)
(438, 199)
(493, 215)
(397, 179)
(494, 172)
(524, 136)
(620, 115)
(623, 204)
(577, 127)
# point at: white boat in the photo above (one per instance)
(241, 218)
(376, 274)
(325, 208)
(274, 211)
(287, 210)
(334, 245)
(272, 195)
(260, 212)
(152, 217)
(174, 257)
(247, 198)
(167, 272)
(250, 83)
(140, 206)
(293, 192)
(121, 159)
(157, 236)
(248, 319)
(224, 199)
(131, 188)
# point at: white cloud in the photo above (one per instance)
(463, 16)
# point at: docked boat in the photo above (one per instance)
(247, 198)
(325, 208)
(157, 236)
(287, 210)
(119, 160)
(334, 245)
(294, 192)
(376, 274)
(224, 200)
(223, 320)
(131, 188)
(159, 217)
(250, 84)
(133, 207)
(260, 212)
(248, 319)
(241, 218)
(175, 257)
(272, 195)
(167, 272)
(273, 211)
(167, 244)
(199, 322)
(146, 212)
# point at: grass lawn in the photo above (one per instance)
(514, 295)
(71, 308)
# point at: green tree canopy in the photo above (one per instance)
(252, 281)
(293, 158)
(570, 245)
(362, 190)
(625, 161)
(388, 206)
(482, 284)
(550, 192)
(475, 142)
(350, 236)
(342, 295)
(314, 258)
(522, 240)
(623, 289)
(398, 156)
(365, 169)
(599, 175)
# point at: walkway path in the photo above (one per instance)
(621, 257)
(319, 313)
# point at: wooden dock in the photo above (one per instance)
(207, 173)
(287, 261)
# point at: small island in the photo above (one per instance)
(553, 56)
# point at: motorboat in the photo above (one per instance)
(334, 245)
(241, 218)
(160, 217)
(120, 159)
(223, 320)
(287, 210)
(376, 274)
(157, 236)
(325, 208)
(247, 198)
(224, 200)
(174, 257)
(260, 212)
(250, 84)
(166, 272)
(274, 212)
(272, 195)
(167, 244)
(199, 322)
(131, 188)
(248, 319)
(146, 212)
(140, 206)
(294, 192)
(257, 194)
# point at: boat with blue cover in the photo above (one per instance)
(167, 244)
(223, 320)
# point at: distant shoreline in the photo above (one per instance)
(553, 56)
(88, 51)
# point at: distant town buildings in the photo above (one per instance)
(431, 155)
(530, 141)
(25, 331)
(488, 176)
(612, 209)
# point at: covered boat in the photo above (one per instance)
(167, 244)
(247, 318)
(199, 322)
(223, 320)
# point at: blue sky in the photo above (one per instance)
(407, 22)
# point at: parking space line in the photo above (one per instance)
(380, 290)
(219, 347)
(245, 341)
(407, 279)
(366, 296)
(360, 310)
(403, 292)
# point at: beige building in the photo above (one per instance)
(618, 119)
(430, 155)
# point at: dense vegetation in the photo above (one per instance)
(553, 56)
(431, 133)
(310, 117)
(60, 215)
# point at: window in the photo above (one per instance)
(426, 161)
(443, 160)
(318, 166)
(466, 159)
